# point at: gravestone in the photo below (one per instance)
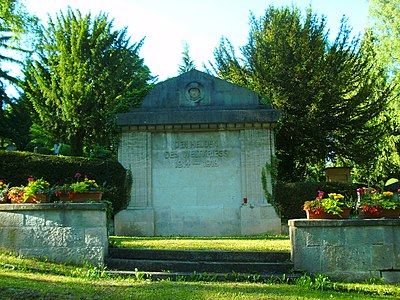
(195, 149)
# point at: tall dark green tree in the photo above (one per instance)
(14, 23)
(384, 38)
(328, 94)
(187, 62)
(84, 73)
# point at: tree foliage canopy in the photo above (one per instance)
(84, 73)
(187, 63)
(329, 94)
(384, 37)
(15, 21)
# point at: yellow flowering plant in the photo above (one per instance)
(80, 186)
(34, 187)
(85, 186)
(372, 200)
(334, 204)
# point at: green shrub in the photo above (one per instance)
(65, 150)
(44, 150)
(290, 197)
(100, 152)
(16, 167)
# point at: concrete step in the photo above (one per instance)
(200, 267)
(197, 261)
(207, 276)
(199, 255)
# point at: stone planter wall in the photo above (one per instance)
(67, 233)
(349, 250)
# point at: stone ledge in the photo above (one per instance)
(260, 114)
(67, 233)
(53, 206)
(343, 222)
(347, 250)
(197, 127)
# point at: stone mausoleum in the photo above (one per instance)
(195, 149)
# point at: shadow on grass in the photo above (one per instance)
(23, 285)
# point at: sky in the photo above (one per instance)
(167, 25)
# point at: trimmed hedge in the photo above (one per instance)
(290, 197)
(16, 167)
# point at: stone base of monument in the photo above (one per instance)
(259, 219)
(134, 222)
(250, 219)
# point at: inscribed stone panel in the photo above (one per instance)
(192, 172)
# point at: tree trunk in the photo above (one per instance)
(77, 144)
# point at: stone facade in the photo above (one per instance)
(349, 250)
(195, 148)
(64, 233)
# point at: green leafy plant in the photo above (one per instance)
(84, 186)
(35, 187)
(80, 186)
(334, 204)
(372, 200)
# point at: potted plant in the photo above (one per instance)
(37, 191)
(80, 191)
(15, 194)
(373, 203)
(332, 207)
(3, 192)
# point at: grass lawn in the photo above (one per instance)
(23, 278)
(79, 283)
(279, 243)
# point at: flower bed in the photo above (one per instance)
(40, 191)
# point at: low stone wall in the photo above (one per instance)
(349, 250)
(67, 233)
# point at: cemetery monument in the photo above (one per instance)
(195, 149)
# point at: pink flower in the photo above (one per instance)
(30, 179)
(77, 175)
(320, 195)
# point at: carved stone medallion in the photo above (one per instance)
(194, 92)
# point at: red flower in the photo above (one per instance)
(30, 179)
(77, 175)
(374, 210)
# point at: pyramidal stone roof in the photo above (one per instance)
(197, 97)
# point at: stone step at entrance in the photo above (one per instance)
(218, 265)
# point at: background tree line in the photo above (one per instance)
(339, 98)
